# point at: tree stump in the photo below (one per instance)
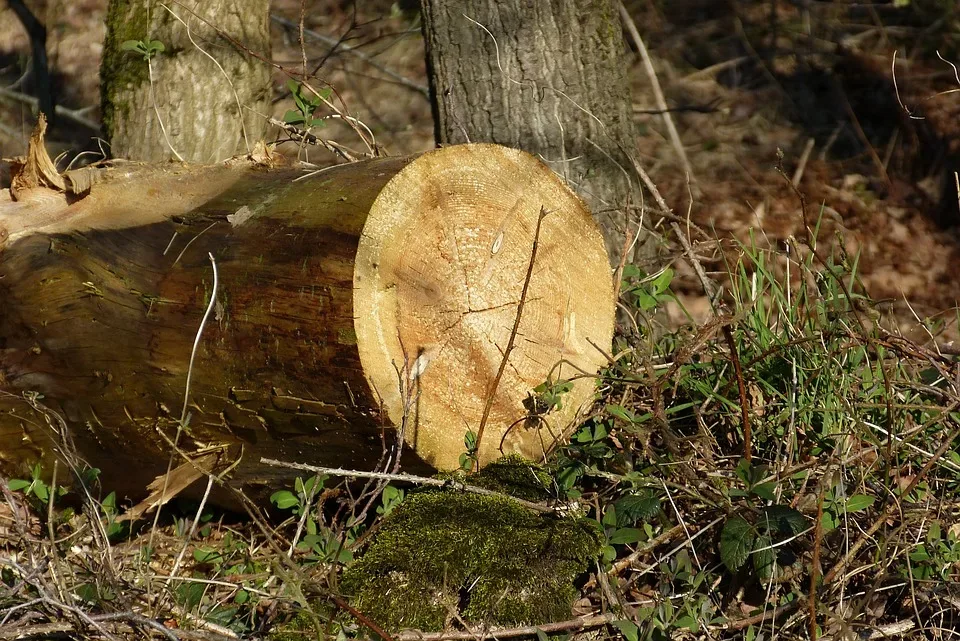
(350, 304)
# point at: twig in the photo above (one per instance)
(648, 183)
(763, 617)
(406, 478)
(651, 545)
(573, 625)
(306, 136)
(802, 165)
(708, 286)
(513, 334)
(181, 424)
(196, 340)
(361, 617)
(655, 86)
(137, 619)
(742, 388)
(337, 44)
(881, 170)
(815, 565)
(156, 109)
(193, 529)
(61, 112)
(39, 630)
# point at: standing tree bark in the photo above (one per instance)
(202, 97)
(545, 76)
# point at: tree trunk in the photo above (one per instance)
(203, 97)
(380, 293)
(545, 76)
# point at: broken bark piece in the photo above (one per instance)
(36, 170)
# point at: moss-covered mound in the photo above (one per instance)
(486, 558)
(513, 475)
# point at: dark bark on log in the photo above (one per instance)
(545, 76)
(211, 110)
(327, 286)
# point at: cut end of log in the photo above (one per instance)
(439, 275)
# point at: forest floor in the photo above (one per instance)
(853, 488)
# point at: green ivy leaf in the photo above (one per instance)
(687, 621)
(608, 554)
(736, 542)
(764, 556)
(636, 507)
(41, 490)
(920, 554)
(622, 413)
(628, 629)
(858, 502)
(206, 555)
(189, 595)
(660, 284)
(293, 117)
(284, 499)
(625, 535)
(766, 491)
(18, 484)
(784, 519)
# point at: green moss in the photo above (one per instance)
(486, 558)
(513, 475)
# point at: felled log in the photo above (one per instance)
(348, 304)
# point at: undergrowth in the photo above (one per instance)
(786, 469)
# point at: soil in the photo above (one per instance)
(873, 152)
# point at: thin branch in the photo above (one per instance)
(513, 334)
(890, 510)
(62, 112)
(361, 617)
(307, 137)
(359, 55)
(742, 388)
(657, 91)
(181, 424)
(573, 625)
(407, 478)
